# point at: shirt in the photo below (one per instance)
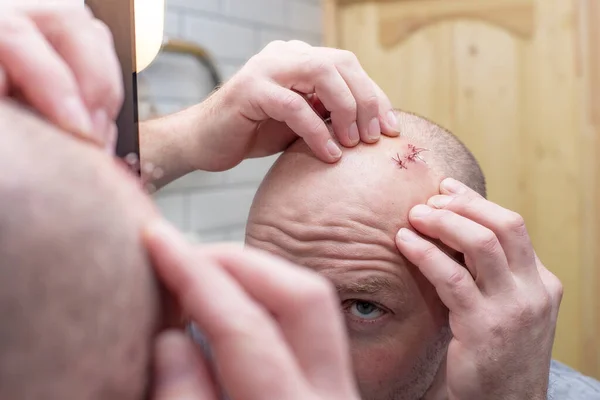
(568, 384)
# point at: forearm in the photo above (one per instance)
(170, 144)
(193, 139)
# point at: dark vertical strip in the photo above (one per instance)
(119, 16)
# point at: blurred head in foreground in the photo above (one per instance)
(78, 299)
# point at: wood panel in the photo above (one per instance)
(552, 128)
(515, 97)
(401, 20)
(488, 111)
(589, 63)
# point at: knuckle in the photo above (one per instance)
(558, 289)
(486, 242)
(497, 329)
(87, 12)
(348, 58)
(457, 280)
(545, 305)
(252, 64)
(526, 314)
(534, 313)
(103, 30)
(292, 102)
(428, 254)
(275, 44)
(515, 223)
(554, 287)
(319, 66)
(298, 43)
(349, 106)
(370, 103)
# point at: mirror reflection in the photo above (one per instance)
(411, 189)
(475, 84)
(205, 44)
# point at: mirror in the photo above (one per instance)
(209, 42)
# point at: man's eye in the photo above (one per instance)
(364, 309)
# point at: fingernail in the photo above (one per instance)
(333, 149)
(406, 235)
(452, 186)
(440, 201)
(374, 129)
(353, 134)
(392, 120)
(75, 117)
(420, 211)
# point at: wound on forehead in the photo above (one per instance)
(413, 154)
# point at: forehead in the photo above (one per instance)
(342, 218)
(365, 190)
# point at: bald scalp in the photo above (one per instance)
(449, 155)
(78, 300)
(367, 180)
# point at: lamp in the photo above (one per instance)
(149, 30)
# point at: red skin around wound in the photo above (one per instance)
(412, 156)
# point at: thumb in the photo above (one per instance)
(180, 371)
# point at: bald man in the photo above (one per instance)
(421, 327)
(78, 301)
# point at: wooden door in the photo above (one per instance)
(507, 77)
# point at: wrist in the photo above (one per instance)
(165, 144)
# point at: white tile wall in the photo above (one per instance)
(224, 39)
(223, 207)
(174, 208)
(305, 16)
(268, 12)
(213, 206)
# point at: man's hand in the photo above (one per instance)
(60, 60)
(275, 329)
(503, 303)
(285, 91)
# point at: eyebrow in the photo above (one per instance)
(367, 285)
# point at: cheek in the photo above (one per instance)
(387, 359)
(380, 365)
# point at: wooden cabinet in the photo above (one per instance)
(519, 82)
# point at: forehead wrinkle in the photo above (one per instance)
(327, 253)
(373, 275)
(339, 239)
(317, 262)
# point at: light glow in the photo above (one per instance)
(149, 30)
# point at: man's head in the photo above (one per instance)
(341, 220)
(78, 301)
